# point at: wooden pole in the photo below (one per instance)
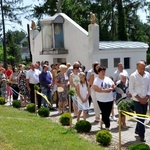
(70, 111)
(119, 129)
(35, 99)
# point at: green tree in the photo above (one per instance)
(13, 49)
(122, 33)
(11, 11)
(116, 18)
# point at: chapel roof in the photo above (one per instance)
(103, 45)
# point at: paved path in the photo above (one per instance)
(128, 136)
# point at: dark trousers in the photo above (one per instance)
(32, 95)
(106, 110)
(140, 109)
(15, 93)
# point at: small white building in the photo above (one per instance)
(62, 40)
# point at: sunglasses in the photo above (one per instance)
(76, 67)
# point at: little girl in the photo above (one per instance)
(82, 96)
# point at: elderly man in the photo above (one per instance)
(32, 78)
(139, 87)
(119, 70)
(46, 82)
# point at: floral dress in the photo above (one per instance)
(22, 83)
(62, 79)
(3, 85)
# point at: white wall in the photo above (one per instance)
(75, 40)
(135, 55)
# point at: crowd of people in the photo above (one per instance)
(93, 85)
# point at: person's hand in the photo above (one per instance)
(109, 90)
(50, 85)
(143, 101)
(28, 88)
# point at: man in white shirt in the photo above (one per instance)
(32, 78)
(139, 87)
(118, 71)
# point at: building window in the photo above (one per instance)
(116, 61)
(104, 62)
(127, 63)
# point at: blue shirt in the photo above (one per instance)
(46, 78)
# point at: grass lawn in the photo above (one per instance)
(21, 130)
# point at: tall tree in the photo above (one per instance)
(13, 49)
(122, 33)
(11, 11)
(116, 18)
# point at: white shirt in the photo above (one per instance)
(117, 73)
(33, 76)
(89, 74)
(139, 85)
(104, 84)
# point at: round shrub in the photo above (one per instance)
(43, 112)
(65, 119)
(103, 137)
(139, 146)
(83, 126)
(31, 107)
(2, 100)
(16, 104)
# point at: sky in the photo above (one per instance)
(141, 13)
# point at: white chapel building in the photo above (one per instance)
(61, 40)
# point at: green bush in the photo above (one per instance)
(16, 104)
(103, 137)
(2, 100)
(65, 119)
(43, 112)
(139, 146)
(31, 107)
(83, 126)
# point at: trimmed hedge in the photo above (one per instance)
(65, 119)
(83, 126)
(103, 137)
(44, 112)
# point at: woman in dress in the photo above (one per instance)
(62, 84)
(96, 66)
(74, 81)
(14, 83)
(103, 87)
(22, 85)
(82, 96)
(2, 82)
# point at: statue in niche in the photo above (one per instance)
(33, 25)
(92, 18)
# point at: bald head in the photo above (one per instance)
(141, 67)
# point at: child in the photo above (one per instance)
(9, 92)
(82, 96)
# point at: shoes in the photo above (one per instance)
(136, 132)
(124, 126)
(52, 108)
(107, 129)
(142, 140)
(101, 124)
(113, 118)
(97, 119)
(74, 116)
